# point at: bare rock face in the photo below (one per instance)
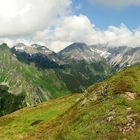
(130, 96)
(80, 51)
(130, 125)
(32, 49)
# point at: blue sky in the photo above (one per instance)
(103, 16)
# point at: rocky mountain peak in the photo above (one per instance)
(32, 49)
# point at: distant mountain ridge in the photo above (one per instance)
(117, 57)
(79, 51)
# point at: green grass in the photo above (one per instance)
(104, 112)
(91, 122)
(18, 124)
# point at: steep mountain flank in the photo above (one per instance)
(21, 79)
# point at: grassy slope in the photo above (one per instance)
(17, 125)
(108, 110)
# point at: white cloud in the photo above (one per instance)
(80, 29)
(117, 3)
(20, 17)
(69, 29)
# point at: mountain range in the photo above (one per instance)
(118, 57)
(32, 74)
(29, 76)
